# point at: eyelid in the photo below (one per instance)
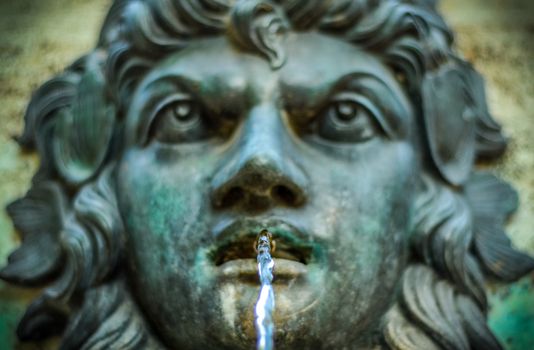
(359, 99)
(389, 111)
(157, 108)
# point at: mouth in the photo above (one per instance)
(235, 256)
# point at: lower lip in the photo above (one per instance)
(247, 270)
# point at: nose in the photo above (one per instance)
(258, 174)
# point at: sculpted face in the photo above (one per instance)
(349, 129)
(219, 145)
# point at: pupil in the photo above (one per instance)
(182, 111)
(346, 111)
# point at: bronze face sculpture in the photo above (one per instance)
(350, 129)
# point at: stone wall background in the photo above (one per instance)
(39, 38)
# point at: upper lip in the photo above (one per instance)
(236, 240)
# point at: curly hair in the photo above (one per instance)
(71, 230)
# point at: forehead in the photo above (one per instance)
(311, 58)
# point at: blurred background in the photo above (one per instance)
(39, 38)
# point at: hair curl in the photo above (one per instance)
(71, 230)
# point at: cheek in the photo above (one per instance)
(163, 207)
(377, 214)
(165, 212)
(370, 196)
(366, 227)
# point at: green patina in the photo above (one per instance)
(11, 306)
(512, 314)
(10, 312)
(159, 212)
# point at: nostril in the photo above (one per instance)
(284, 195)
(232, 197)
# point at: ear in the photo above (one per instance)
(449, 118)
(83, 130)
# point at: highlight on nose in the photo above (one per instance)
(259, 183)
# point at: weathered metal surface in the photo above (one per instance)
(233, 188)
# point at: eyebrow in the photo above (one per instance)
(389, 100)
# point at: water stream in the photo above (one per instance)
(265, 304)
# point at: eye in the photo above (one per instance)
(348, 118)
(178, 120)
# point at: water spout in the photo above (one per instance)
(265, 304)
